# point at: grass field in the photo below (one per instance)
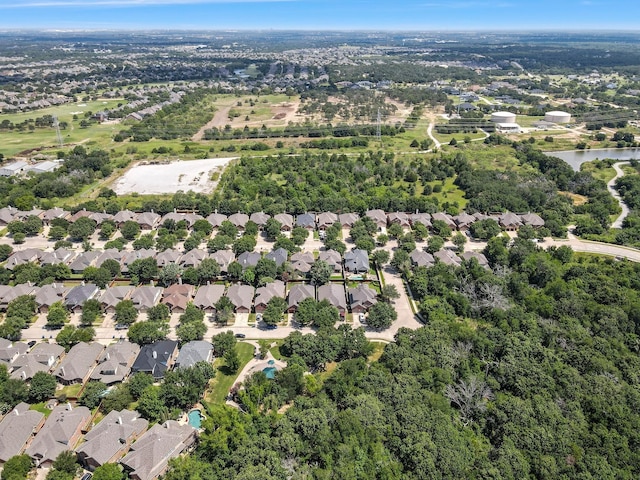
(224, 380)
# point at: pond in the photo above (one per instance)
(575, 158)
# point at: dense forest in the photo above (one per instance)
(529, 370)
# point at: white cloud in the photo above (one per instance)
(118, 3)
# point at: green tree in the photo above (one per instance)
(42, 387)
(138, 383)
(170, 274)
(92, 394)
(17, 467)
(224, 310)
(208, 270)
(305, 313)
(231, 360)
(435, 243)
(130, 229)
(459, 240)
(57, 233)
(320, 272)
(113, 266)
(82, 229)
(57, 315)
(203, 227)
(91, 311)
(145, 269)
(274, 313)
(272, 229)
(126, 312)
(223, 342)
(151, 406)
(100, 276)
(159, 313)
(380, 257)
(388, 293)
(147, 332)
(118, 398)
(108, 471)
(381, 316)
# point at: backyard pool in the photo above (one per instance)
(195, 418)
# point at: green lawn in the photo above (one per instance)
(224, 380)
(378, 350)
(41, 407)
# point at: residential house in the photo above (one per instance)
(334, 294)
(532, 219)
(378, 217)
(78, 215)
(84, 260)
(306, 220)
(248, 259)
(302, 262)
(464, 221)
(7, 215)
(444, 217)
(510, 221)
(111, 439)
(348, 219)
(156, 358)
(423, 218)
(144, 297)
(177, 296)
(23, 256)
(114, 364)
(100, 217)
(266, 293)
(326, 220)
(479, 257)
(297, 294)
(41, 358)
(80, 294)
(260, 219)
(333, 258)
(193, 258)
(10, 351)
(16, 429)
(224, 258)
(420, 258)
(148, 220)
(362, 298)
(448, 257)
(279, 255)
(124, 216)
(241, 296)
(114, 295)
(239, 220)
(207, 297)
(168, 257)
(60, 255)
(130, 257)
(356, 261)
(15, 292)
(285, 220)
(14, 168)
(78, 364)
(109, 254)
(194, 352)
(216, 219)
(60, 433)
(53, 213)
(399, 218)
(150, 455)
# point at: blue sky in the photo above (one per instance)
(322, 14)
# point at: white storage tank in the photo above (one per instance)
(503, 117)
(557, 117)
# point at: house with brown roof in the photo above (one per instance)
(399, 218)
(285, 220)
(144, 297)
(423, 218)
(260, 219)
(326, 220)
(361, 298)
(60, 433)
(297, 294)
(193, 258)
(241, 297)
(239, 220)
(150, 455)
(78, 215)
(224, 258)
(78, 364)
(16, 430)
(114, 363)
(216, 219)
(420, 258)
(334, 294)
(207, 297)
(266, 293)
(378, 216)
(510, 221)
(177, 297)
(111, 439)
(148, 220)
(114, 295)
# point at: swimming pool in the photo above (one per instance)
(270, 372)
(195, 418)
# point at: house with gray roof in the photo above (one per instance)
(443, 217)
(150, 455)
(333, 258)
(78, 364)
(207, 297)
(193, 258)
(241, 296)
(248, 259)
(7, 215)
(239, 220)
(297, 294)
(148, 220)
(478, 256)
(285, 220)
(260, 219)
(60, 433)
(266, 293)
(194, 352)
(215, 219)
(114, 295)
(78, 215)
(447, 257)
(279, 255)
(224, 258)
(423, 218)
(79, 294)
(156, 358)
(9, 352)
(348, 219)
(362, 298)
(334, 294)
(16, 429)
(86, 259)
(109, 254)
(306, 220)
(464, 221)
(124, 216)
(378, 216)
(23, 256)
(130, 257)
(111, 439)
(400, 218)
(356, 261)
(510, 221)
(100, 217)
(302, 262)
(145, 296)
(420, 258)
(532, 219)
(60, 255)
(168, 257)
(54, 213)
(114, 363)
(15, 292)
(41, 358)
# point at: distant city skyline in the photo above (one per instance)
(321, 14)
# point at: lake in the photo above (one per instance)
(575, 158)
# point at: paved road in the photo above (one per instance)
(610, 186)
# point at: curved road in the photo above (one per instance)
(611, 187)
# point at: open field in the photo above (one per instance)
(169, 178)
